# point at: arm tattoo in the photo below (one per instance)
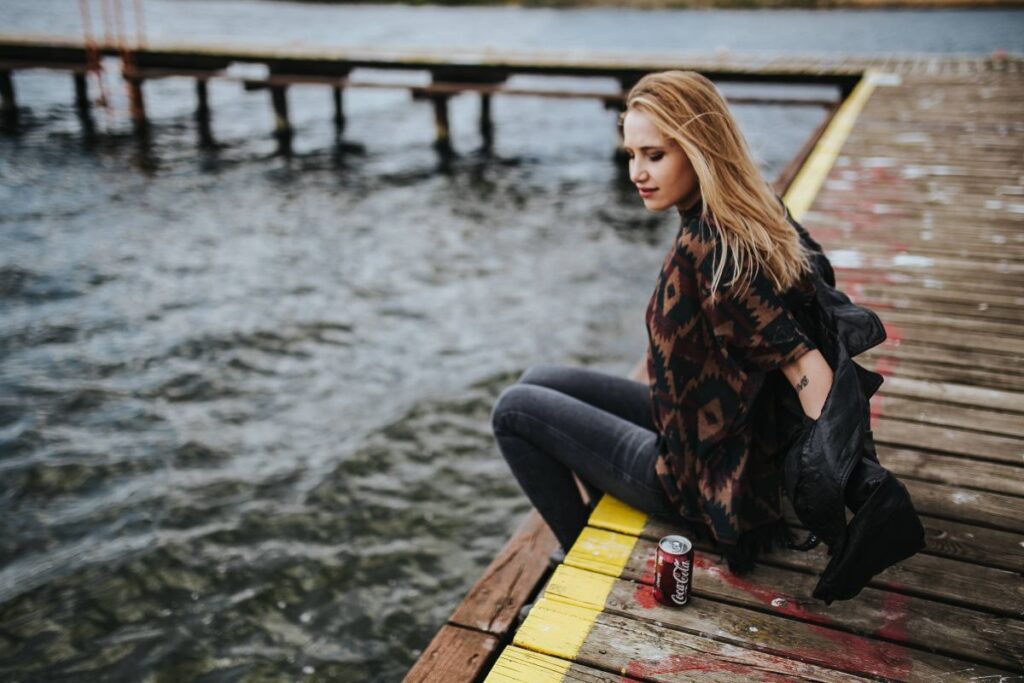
(801, 384)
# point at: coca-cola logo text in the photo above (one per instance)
(681, 573)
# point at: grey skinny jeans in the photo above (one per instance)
(559, 420)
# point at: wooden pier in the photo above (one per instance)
(916, 191)
(436, 76)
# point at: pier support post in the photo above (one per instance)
(339, 112)
(82, 104)
(138, 106)
(486, 124)
(443, 142)
(8, 105)
(282, 127)
(203, 113)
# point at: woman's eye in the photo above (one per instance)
(656, 157)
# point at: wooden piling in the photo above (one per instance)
(138, 105)
(282, 126)
(203, 114)
(442, 141)
(486, 124)
(8, 105)
(339, 111)
(82, 104)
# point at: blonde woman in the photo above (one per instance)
(696, 441)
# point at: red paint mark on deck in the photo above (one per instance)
(649, 566)
(704, 663)
(894, 610)
(644, 596)
(852, 652)
(780, 603)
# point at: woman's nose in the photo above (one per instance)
(636, 173)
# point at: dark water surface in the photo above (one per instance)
(244, 398)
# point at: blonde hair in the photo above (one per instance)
(738, 203)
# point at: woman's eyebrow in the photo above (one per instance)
(646, 147)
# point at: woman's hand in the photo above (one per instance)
(811, 377)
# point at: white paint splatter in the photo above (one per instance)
(913, 138)
(778, 602)
(961, 497)
(920, 171)
(912, 260)
(846, 258)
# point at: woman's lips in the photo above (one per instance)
(645, 192)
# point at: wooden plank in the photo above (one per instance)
(977, 310)
(1011, 332)
(954, 374)
(899, 433)
(934, 361)
(947, 337)
(952, 471)
(963, 505)
(989, 547)
(963, 542)
(1006, 401)
(518, 665)
(944, 579)
(960, 417)
(493, 603)
(652, 652)
(921, 623)
(794, 640)
(455, 655)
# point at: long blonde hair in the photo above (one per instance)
(687, 108)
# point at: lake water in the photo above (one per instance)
(244, 398)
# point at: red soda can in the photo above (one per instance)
(673, 571)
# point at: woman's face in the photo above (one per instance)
(657, 165)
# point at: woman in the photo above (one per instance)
(693, 441)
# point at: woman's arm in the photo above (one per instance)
(811, 377)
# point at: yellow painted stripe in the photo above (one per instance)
(556, 628)
(612, 513)
(579, 587)
(601, 551)
(559, 622)
(812, 174)
(516, 665)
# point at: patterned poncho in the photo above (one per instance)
(707, 364)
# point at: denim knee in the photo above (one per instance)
(537, 374)
(513, 398)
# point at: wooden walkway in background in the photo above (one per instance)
(921, 209)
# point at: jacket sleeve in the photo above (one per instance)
(753, 326)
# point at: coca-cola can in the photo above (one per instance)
(673, 571)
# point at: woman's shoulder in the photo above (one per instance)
(697, 236)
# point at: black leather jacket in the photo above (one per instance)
(830, 463)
